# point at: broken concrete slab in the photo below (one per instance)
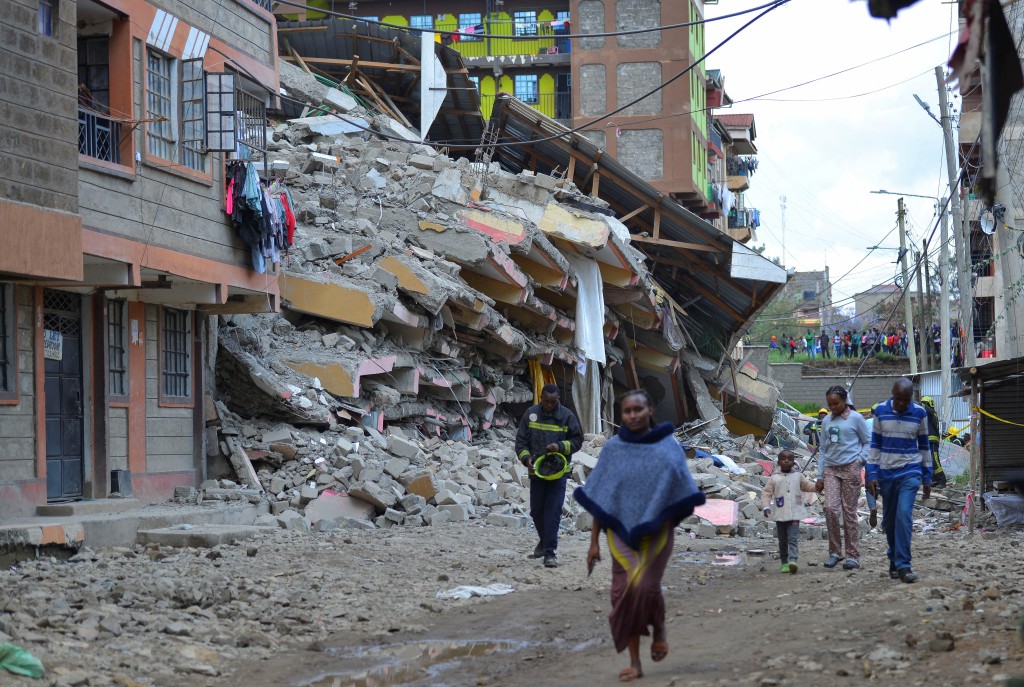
(336, 505)
(197, 536)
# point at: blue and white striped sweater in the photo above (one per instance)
(899, 444)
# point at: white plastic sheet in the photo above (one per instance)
(467, 591)
(589, 308)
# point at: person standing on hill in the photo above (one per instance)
(824, 340)
(811, 344)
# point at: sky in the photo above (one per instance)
(824, 151)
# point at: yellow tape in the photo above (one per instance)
(997, 418)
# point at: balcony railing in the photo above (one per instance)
(533, 38)
(741, 166)
(99, 137)
(739, 219)
(556, 105)
(716, 138)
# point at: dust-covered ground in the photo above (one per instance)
(352, 607)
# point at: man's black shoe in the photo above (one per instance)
(907, 575)
(538, 552)
(893, 573)
(939, 480)
(550, 561)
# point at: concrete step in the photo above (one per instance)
(197, 536)
(90, 507)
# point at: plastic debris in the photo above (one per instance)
(467, 591)
(16, 660)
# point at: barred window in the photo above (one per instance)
(8, 354)
(526, 88)
(117, 347)
(470, 23)
(159, 104)
(176, 354)
(421, 21)
(526, 23)
(174, 104)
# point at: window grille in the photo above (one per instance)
(421, 21)
(470, 21)
(252, 125)
(117, 348)
(526, 88)
(159, 105)
(526, 23)
(7, 324)
(176, 354)
(192, 131)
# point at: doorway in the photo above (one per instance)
(62, 353)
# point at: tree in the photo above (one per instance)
(779, 318)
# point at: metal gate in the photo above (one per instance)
(62, 350)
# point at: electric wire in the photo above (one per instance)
(568, 36)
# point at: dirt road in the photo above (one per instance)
(733, 618)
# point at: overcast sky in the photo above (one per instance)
(824, 155)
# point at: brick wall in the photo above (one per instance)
(643, 152)
(633, 79)
(593, 90)
(591, 21)
(868, 389)
(638, 14)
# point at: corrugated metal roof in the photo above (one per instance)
(736, 120)
(459, 121)
(717, 304)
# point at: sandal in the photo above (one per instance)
(833, 560)
(629, 674)
(659, 650)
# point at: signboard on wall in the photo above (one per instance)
(53, 345)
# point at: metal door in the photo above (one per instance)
(62, 324)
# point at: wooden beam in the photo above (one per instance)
(571, 174)
(408, 55)
(634, 213)
(299, 29)
(596, 185)
(700, 288)
(675, 244)
(355, 62)
(657, 223)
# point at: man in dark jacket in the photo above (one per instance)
(939, 477)
(548, 427)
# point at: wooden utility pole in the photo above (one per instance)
(908, 312)
(926, 359)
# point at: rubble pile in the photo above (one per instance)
(359, 478)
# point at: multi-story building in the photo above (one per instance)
(117, 242)
(811, 294)
(516, 47)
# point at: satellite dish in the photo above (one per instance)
(987, 221)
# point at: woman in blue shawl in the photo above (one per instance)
(639, 491)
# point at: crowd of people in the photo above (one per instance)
(863, 343)
(642, 488)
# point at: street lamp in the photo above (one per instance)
(944, 343)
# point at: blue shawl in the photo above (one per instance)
(641, 481)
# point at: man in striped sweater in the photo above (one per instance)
(899, 463)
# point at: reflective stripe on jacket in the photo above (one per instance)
(537, 429)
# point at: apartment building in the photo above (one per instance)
(117, 122)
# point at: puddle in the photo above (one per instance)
(419, 663)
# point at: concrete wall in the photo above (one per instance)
(169, 433)
(117, 438)
(868, 389)
(660, 152)
(18, 419)
(38, 111)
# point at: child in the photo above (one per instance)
(783, 501)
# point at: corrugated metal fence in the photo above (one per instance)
(930, 384)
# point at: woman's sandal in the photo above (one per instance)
(659, 650)
(629, 674)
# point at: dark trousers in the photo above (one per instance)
(546, 499)
(788, 532)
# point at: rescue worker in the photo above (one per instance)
(813, 429)
(939, 478)
(548, 427)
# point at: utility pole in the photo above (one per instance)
(907, 311)
(963, 258)
(926, 360)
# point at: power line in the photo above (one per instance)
(567, 36)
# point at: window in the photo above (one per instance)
(470, 23)
(526, 88)
(174, 98)
(421, 21)
(47, 10)
(810, 295)
(8, 354)
(175, 372)
(98, 135)
(526, 23)
(251, 118)
(371, 18)
(117, 348)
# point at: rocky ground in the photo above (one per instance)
(360, 607)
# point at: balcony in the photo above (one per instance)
(98, 137)
(539, 41)
(741, 223)
(557, 105)
(738, 171)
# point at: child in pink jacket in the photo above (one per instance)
(783, 501)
